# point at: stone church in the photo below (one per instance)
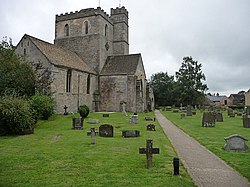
(90, 62)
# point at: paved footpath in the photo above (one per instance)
(203, 166)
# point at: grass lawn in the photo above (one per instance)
(213, 137)
(55, 155)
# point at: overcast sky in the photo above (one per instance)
(216, 33)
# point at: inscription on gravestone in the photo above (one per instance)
(77, 123)
(149, 151)
(151, 127)
(106, 130)
(130, 133)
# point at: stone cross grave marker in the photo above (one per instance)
(208, 119)
(77, 123)
(189, 110)
(105, 115)
(133, 119)
(149, 151)
(130, 133)
(65, 110)
(151, 127)
(106, 130)
(236, 143)
(92, 134)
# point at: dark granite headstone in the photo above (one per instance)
(151, 127)
(105, 115)
(106, 130)
(77, 123)
(246, 122)
(130, 133)
(208, 119)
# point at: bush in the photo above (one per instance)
(15, 115)
(83, 111)
(43, 105)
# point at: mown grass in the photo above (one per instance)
(213, 138)
(58, 156)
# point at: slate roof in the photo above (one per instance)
(121, 65)
(215, 98)
(59, 56)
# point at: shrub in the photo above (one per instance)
(15, 115)
(43, 105)
(83, 111)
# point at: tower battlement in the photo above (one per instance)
(83, 13)
(118, 10)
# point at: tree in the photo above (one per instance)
(163, 85)
(16, 75)
(190, 86)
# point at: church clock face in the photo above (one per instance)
(107, 46)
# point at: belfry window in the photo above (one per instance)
(86, 27)
(88, 84)
(66, 30)
(106, 31)
(68, 80)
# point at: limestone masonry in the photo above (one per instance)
(90, 62)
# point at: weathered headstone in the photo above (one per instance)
(230, 111)
(246, 122)
(133, 119)
(183, 115)
(124, 109)
(232, 115)
(93, 121)
(148, 118)
(189, 110)
(236, 142)
(219, 117)
(208, 119)
(105, 115)
(175, 110)
(77, 123)
(168, 108)
(151, 127)
(106, 130)
(176, 163)
(194, 112)
(130, 133)
(149, 151)
(92, 134)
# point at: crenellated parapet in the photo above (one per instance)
(118, 10)
(83, 13)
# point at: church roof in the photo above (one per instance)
(59, 56)
(121, 65)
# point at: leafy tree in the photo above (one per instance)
(16, 75)
(163, 85)
(190, 86)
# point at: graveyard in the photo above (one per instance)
(213, 138)
(57, 155)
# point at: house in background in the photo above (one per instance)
(247, 98)
(237, 99)
(219, 101)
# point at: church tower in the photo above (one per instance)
(119, 17)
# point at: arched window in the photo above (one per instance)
(106, 31)
(88, 84)
(66, 30)
(68, 80)
(86, 27)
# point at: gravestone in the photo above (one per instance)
(133, 119)
(77, 123)
(149, 151)
(65, 110)
(148, 118)
(189, 110)
(93, 121)
(124, 109)
(183, 115)
(194, 112)
(151, 127)
(230, 111)
(232, 115)
(105, 115)
(92, 134)
(246, 122)
(247, 111)
(106, 130)
(168, 108)
(208, 119)
(219, 117)
(175, 110)
(236, 143)
(130, 133)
